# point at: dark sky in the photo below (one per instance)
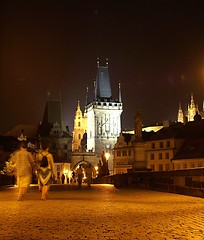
(155, 49)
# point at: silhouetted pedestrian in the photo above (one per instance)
(89, 175)
(63, 178)
(79, 173)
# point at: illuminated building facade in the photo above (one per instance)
(174, 147)
(160, 151)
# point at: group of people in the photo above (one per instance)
(80, 175)
(24, 165)
(44, 165)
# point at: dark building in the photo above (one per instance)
(52, 129)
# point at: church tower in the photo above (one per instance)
(80, 126)
(180, 114)
(189, 114)
(103, 114)
(192, 109)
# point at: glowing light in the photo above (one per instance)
(107, 155)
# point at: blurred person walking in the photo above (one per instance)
(45, 171)
(23, 161)
(89, 175)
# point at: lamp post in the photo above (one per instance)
(107, 155)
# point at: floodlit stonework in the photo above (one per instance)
(96, 130)
(189, 114)
(80, 127)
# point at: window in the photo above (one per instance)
(167, 167)
(185, 166)
(152, 167)
(168, 144)
(167, 155)
(153, 145)
(152, 156)
(58, 168)
(192, 165)
(161, 145)
(124, 153)
(118, 153)
(129, 152)
(160, 167)
(79, 136)
(79, 124)
(160, 155)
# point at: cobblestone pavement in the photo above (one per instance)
(101, 212)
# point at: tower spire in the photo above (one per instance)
(180, 114)
(78, 105)
(95, 90)
(87, 94)
(119, 97)
(192, 101)
(107, 62)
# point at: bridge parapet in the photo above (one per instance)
(187, 182)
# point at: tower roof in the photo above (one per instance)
(102, 86)
(52, 113)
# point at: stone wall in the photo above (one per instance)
(187, 182)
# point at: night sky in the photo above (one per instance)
(155, 49)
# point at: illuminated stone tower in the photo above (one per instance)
(80, 126)
(192, 109)
(180, 114)
(103, 114)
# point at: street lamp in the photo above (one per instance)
(96, 171)
(107, 155)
